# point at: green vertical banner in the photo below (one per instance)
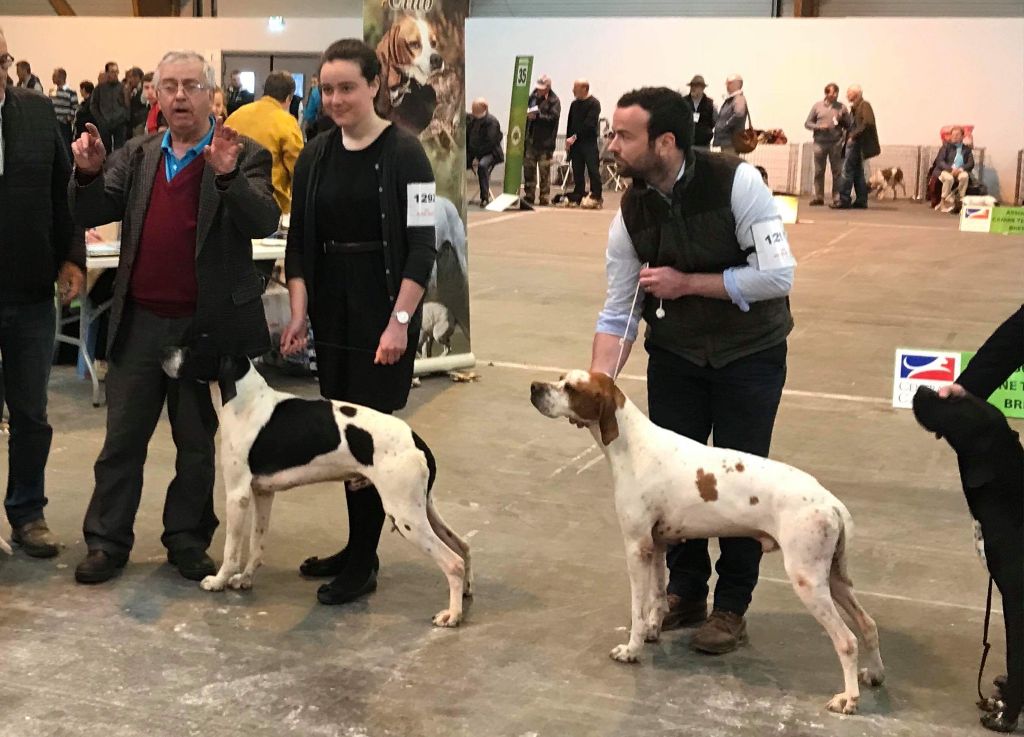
(515, 145)
(421, 46)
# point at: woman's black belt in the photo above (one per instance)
(352, 246)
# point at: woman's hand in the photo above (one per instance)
(393, 342)
(952, 390)
(295, 336)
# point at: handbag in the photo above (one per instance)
(745, 141)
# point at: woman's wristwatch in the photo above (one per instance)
(402, 316)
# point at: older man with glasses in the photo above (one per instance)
(189, 203)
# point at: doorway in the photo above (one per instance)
(254, 68)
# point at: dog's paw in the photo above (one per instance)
(447, 618)
(211, 583)
(843, 704)
(623, 654)
(240, 581)
(871, 678)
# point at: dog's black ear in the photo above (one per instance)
(226, 379)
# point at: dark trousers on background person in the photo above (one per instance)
(737, 403)
(137, 390)
(853, 177)
(27, 333)
(584, 160)
(484, 167)
(833, 154)
(532, 161)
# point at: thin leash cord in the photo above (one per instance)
(984, 701)
(629, 321)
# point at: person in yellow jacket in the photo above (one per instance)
(268, 122)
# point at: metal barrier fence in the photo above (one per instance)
(782, 162)
(906, 158)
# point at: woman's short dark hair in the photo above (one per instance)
(352, 49)
(669, 113)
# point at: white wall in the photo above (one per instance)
(785, 63)
(83, 45)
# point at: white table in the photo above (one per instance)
(106, 255)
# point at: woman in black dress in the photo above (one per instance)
(360, 252)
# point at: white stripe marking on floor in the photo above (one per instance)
(897, 597)
(491, 221)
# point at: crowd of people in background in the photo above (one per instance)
(124, 107)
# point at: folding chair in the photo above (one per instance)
(607, 167)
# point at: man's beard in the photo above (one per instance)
(647, 167)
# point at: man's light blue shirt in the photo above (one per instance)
(172, 164)
(751, 202)
(958, 160)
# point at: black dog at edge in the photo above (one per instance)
(991, 462)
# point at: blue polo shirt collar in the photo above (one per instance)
(172, 164)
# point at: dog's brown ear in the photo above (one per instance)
(612, 399)
(388, 54)
(608, 424)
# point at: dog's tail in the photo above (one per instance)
(431, 463)
(845, 521)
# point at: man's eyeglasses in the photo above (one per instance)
(191, 86)
(6, 59)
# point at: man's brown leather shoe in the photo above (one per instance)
(683, 614)
(37, 540)
(99, 566)
(722, 633)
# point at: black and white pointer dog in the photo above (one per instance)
(271, 441)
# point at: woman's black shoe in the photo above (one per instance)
(998, 721)
(337, 592)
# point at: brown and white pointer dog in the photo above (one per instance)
(669, 488)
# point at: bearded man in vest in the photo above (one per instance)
(700, 234)
(190, 201)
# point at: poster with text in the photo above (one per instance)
(422, 51)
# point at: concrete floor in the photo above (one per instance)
(150, 653)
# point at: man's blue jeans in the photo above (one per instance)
(853, 177)
(27, 333)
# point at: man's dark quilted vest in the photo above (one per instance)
(696, 233)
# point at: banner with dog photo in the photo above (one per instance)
(422, 52)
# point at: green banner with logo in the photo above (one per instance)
(1009, 397)
(515, 145)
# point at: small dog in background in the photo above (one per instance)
(887, 179)
(438, 327)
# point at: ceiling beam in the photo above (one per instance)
(805, 8)
(62, 7)
(155, 8)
